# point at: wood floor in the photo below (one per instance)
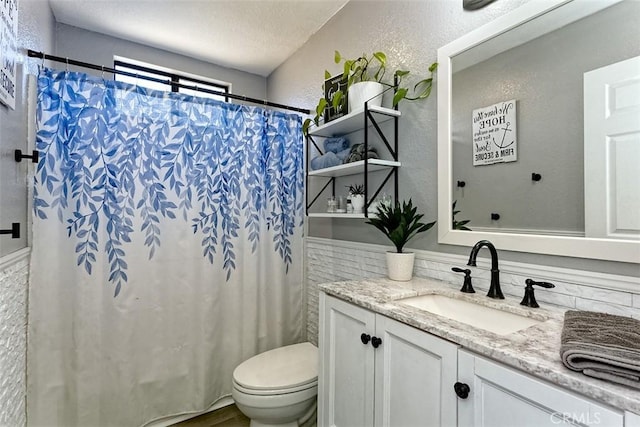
(229, 416)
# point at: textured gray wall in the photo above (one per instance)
(99, 49)
(35, 31)
(410, 32)
(545, 76)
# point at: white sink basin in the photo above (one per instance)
(479, 316)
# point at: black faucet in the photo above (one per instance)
(494, 289)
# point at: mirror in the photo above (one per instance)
(521, 177)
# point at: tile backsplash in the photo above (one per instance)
(335, 260)
(14, 270)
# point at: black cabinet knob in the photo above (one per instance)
(462, 390)
(375, 342)
(365, 338)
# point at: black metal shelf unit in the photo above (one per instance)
(367, 119)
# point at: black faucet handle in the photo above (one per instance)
(467, 287)
(529, 298)
(530, 282)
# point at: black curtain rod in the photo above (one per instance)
(35, 54)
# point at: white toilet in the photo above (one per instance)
(278, 387)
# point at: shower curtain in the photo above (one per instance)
(167, 242)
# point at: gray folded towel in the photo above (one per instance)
(602, 346)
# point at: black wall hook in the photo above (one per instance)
(461, 184)
(495, 216)
(34, 156)
(14, 230)
(536, 176)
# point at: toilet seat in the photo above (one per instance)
(312, 386)
(282, 370)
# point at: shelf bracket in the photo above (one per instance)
(382, 136)
(313, 141)
(331, 181)
(381, 186)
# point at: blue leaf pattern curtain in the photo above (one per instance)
(113, 151)
(132, 180)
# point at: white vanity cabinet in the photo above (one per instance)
(501, 396)
(375, 371)
(631, 419)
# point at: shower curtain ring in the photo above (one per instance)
(67, 64)
(102, 66)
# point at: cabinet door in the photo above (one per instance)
(502, 396)
(345, 389)
(415, 374)
(631, 420)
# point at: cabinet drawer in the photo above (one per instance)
(501, 396)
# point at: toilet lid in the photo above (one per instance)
(280, 368)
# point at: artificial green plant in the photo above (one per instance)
(399, 222)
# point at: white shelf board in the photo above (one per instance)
(355, 168)
(352, 122)
(335, 215)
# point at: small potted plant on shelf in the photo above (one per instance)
(400, 223)
(365, 80)
(356, 194)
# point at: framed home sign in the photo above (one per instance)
(331, 86)
(8, 51)
(495, 134)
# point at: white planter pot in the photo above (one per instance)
(400, 265)
(361, 92)
(357, 202)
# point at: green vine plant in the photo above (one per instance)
(371, 68)
(374, 67)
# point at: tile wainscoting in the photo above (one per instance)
(14, 273)
(336, 260)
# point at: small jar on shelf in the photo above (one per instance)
(332, 205)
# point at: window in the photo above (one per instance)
(181, 82)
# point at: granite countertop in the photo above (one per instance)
(535, 350)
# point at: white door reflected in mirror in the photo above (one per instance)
(612, 151)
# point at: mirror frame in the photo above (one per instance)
(578, 247)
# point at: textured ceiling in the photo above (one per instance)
(250, 35)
